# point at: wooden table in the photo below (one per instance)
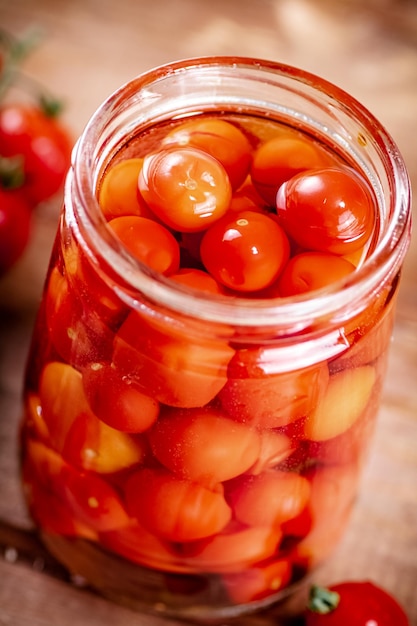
(89, 48)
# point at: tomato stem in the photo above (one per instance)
(322, 600)
(15, 51)
(12, 174)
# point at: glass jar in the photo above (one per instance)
(191, 453)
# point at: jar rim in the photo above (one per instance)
(86, 217)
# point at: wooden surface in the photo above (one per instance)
(89, 48)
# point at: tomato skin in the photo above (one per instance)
(15, 227)
(245, 251)
(361, 603)
(328, 210)
(44, 144)
(186, 188)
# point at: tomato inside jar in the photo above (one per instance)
(208, 453)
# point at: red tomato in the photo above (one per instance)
(173, 365)
(175, 509)
(342, 404)
(116, 401)
(245, 251)
(203, 445)
(186, 188)
(44, 473)
(119, 193)
(255, 394)
(312, 270)
(233, 549)
(222, 140)
(94, 501)
(258, 581)
(279, 159)
(329, 210)
(43, 143)
(87, 498)
(149, 242)
(353, 603)
(270, 499)
(15, 227)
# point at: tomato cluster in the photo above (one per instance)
(279, 218)
(194, 453)
(35, 150)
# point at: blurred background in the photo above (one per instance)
(87, 49)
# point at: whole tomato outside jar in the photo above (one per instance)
(209, 354)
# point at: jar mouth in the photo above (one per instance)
(218, 83)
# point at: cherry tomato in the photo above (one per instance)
(270, 499)
(137, 544)
(149, 242)
(222, 140)
(116, 401)
(245, 251)
(77, 334)
(275, 447)
(254, 394)
(186, 188)
(345, 399)
(323, 521)
(94, 501)
(328, 210)
(42, 142)
(15, 227)
(176, 367)
(353, 603)
(44, 473)
(233, 549)
(119, 193)
(175, 509)
(203, 445)
(75, 432)
(196, 279)
(279, 159)
(312, 270)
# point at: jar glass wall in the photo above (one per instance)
(198, 453)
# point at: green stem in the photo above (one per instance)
(322, 600)
(15, 50)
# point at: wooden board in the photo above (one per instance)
(89, 48)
